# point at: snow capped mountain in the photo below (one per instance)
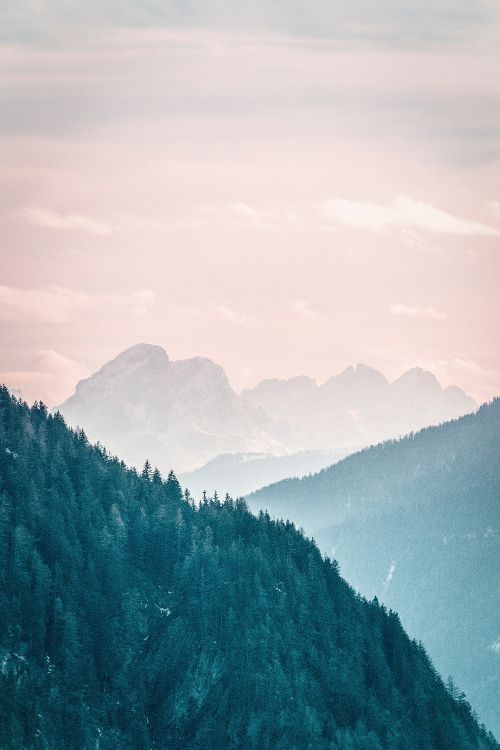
(184, 413)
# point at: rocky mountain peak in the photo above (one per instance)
(418, 377)
(355, 377)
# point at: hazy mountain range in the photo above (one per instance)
(416, 522)
(183, 414)
(242, 473)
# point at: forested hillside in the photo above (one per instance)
(130, 619)
(416, 522)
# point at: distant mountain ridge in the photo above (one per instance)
(359, 406)
(241, 473)
(416, 522)
(184, 413)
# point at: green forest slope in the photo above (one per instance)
(416, 522)
(131, 620)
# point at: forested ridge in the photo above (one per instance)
(379, 478)
(416, 521)
(131, 619)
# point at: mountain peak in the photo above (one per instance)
(358, 374)
(138, 357)
(418, 376)
(368, 373)
(201, 369)
(140, 353)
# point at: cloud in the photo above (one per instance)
(244, 210)
(57, 305)
(415, 311)
(277, 216)
(383, 22)
(229, 314)
(401, 211)
(457, 366)
(42, 217)
(52, 305)
(303, 308)
(466, 365)
(142, 301)
(49, 375)
(494, 209)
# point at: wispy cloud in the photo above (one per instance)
(53, 304)
(142, 301)
(454, 367)
(494, 208)
(228, 313)
(416, 311)
(58, 305)
(304, 309)
(43, 217)
(402, 211)
(48, 372)
(275, 216)
(244, 210)
(382, 22)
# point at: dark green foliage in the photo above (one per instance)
(130, 619)
(417, 522)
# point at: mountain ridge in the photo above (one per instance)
(416, 522)
(144, 405)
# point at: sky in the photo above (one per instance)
(286, 188)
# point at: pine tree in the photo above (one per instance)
(147, 472)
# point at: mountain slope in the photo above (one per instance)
(131, 620)
(241, 473)
(417, 523)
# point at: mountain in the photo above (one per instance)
(131, 619)
(142, 405)
(416, 522)
(242, 473)
(184, 414)
(358, 407)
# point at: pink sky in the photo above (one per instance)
(282, 203)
